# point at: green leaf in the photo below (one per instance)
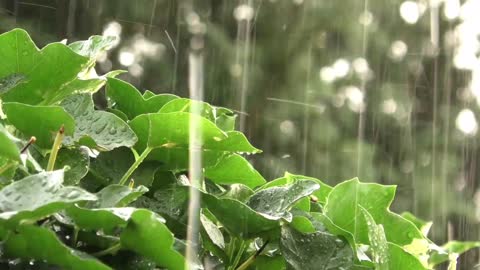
(76, 161)
(129, 100)
(184, 104)
(319, 250)
(33, 242)
(46, 70)
(147, 235)
(378, 242)
(109, 167)
(400, 259)
(225, 119)
(47, 119)
(422, 225)
(213, 232)
(172, 145)
(275, 202)
(9, 149)
(234, 169)
(269, 263)
(104, 219)
(108, 212)
(238, 192)
(117, 196)
(454, 248)
(10, 81)
(238, 218)
(92, 47)
(342, 208)
(97, 129)
(321, 194)
(38, 196)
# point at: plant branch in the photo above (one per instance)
(56, 146)
(135, 166)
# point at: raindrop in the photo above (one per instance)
(24, 53)
(17, 198)
(100, 128)
(112, 131)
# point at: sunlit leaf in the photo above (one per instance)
(97, 129)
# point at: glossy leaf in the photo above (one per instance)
(378, 242)
(319, 250)
(47, 119)
(8, 147)
(342, 208)
(147, 235)
(171, 147)
(234, 169)
(213, 232)
(275, 202)
(46, 70)
(97, 129)
(33, 242)
(238, 218)
(104, 219)
(76, 162)
(129, 100)
(116, 196)
(38, 196)
(92, 47)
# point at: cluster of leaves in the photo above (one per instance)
(84, 188)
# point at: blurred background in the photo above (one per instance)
(386, 90)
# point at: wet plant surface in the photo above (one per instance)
(110, 188)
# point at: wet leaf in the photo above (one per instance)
(342, 208)
(171, 147)
(319, 250)
(275, 202)
(147, 235)
(33, 242)
(9, 149)
(234, 169)
(116, 196)
(46, 70)
(75, 160)
(96, 129)
(104, 219)
(92, 47)
(238, 218)
(10, 81)
(38, 196)
(47, 119)
(378, 242)
(213, 232)
(129, 100)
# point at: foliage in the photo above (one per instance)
(114, 191)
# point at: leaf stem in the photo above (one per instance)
(75, 236)
(135, 165)
(241, 249)
(56, 146)
(107, 251)
(252, 258)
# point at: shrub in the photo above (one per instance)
(85, 188)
